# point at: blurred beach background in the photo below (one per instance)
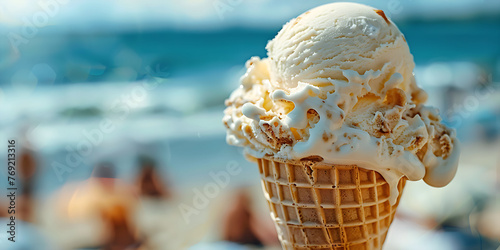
(104, 98)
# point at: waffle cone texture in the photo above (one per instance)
(322, 206)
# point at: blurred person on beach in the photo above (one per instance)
(112, 202)
(26, 169)
(243, 226)
(149, 182)
(27, 165)
(116, 215)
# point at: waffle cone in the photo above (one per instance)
(322, 206)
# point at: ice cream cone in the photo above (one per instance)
(337, 96)
(321, 206)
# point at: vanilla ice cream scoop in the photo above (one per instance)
(322, 43)
(338, 86)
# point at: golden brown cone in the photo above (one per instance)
(322, 206)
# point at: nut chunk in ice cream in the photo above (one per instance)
(338, 86)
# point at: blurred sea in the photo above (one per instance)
(52, 94)
(95, 57)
